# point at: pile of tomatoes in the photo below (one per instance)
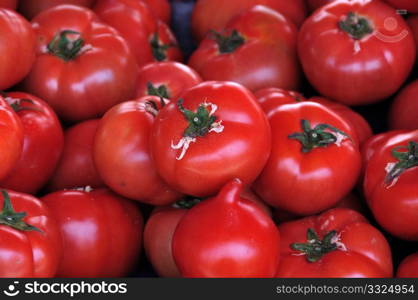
(252, 156)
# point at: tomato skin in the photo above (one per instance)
(408, 267)
(412, 21)
(271, 98)
(347, 79)
(161, 9)
(30, 253)
(93, 246)
(315, 4)
(10, 4)
(31, 8)
(96, 79)
(215, 14)
(246, 134)
(359, 260)
(128, 169)
(404, 110)
(17, 43)
(410, 5)
(389, 199)
(266, 58)
(176, 77)
(207, 244)
(307, 183)
(76, 167)
(11, 141)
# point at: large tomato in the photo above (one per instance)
(128, 169)
(11, 138)
(10, 4)
(83, 66)
(356, 52)
(314, 160)
(165, 79)
(411, 6)
(257, 49)
(408, 267)
(214, 133)
(101, 232)
(207, 243)
(30, 8)
(161, 9)
(338, 243)
(404, 111)
(17, 48)
(30, 238)
(214, 14)
(42, 144)
(76, 167)
(390, 185)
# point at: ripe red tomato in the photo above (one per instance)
(76, 167)
(412, 21)
(411, 6)
(390, 185)
(101, 232)
(164, 44)
(30, 238)
(408, 267)
(345, 47)
(257, 49)
(206, 243)
(17, 44)
(42, 144)
(128, 169)
(338, 243)
(214, 14)
(216, 132)
(82, 83)
(313, 154)
(31, 8)
(271, 98)
(10, 4)
(165, 79)
(11, 138)
(404, 110)
(160, 8)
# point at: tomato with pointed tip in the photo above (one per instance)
(408, 267)
(17, 44)
(356, 69)
(226, 236)
(214, 133)
(256, 49)
(31, 8)
(76, 167)
(314, 160)
(101, 232)
(129, 169)
(403, 113)
(43, 141)
(30, 237)
(337, 243)
(390, 185)
(83, 66)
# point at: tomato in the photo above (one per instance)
(42, 144)
(314, 160)
(161, 9)
(10, 4)
(101, 232)
(76, 167)
(30, 238)
(344, 49)
(214, 14)
(164, 44)
(207, 244)
(408, 267)
(17, 44)
(338, 243)
(128, 169)
(215, 133)
(411, 6)
(257, 49)
(82, 83)
(390, 185)
(165, 79)
(314, 4)
(412, 21)
(11, 138)
(271, 98)
(404, 110)
(31, 8)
